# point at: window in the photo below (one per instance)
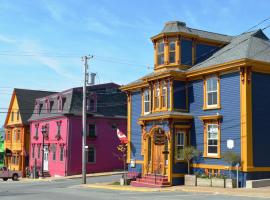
(8, 136)
(160, 53)
(91, 155)
(164, 95)
(61, 153)
(212, 92)
(18, 115)
(14, 136)
(54, 154)
(38, 151)
(172, 52)
(63, 103)
(12, 116)
(36, 130)
(146, 101)
(40, 108)
(179, 144)
(212, 139)
(92, 130)
(33, 151)
(157, 93)
(58, 128)
(51, 105)
(18, 135)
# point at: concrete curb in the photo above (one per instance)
(70, 177)
(263, 193)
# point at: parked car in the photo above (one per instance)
(6, 174)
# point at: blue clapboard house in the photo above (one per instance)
(207, 90)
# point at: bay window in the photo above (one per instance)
(160, 53)
(146, 101)
(157, 96)
(164, 95)
(172, 52)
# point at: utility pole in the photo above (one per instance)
(85, 83)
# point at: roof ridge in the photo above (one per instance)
(211, 32)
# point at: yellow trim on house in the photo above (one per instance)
(210, 117)
(178, 175)
(246, 118)
(129, 127)
(166, 117)
(139, 162)
(182, 126)
(209, 166)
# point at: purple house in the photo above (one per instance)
(57, 124)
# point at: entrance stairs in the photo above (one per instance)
(152, 181)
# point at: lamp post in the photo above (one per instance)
(43, 131)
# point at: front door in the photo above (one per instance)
(46, 159)
(158, 159)
(159, 152)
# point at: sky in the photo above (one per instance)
(42, 41)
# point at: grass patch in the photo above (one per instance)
(115, 183)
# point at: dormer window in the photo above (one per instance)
(160, 53)
(40, 108)
(172, 51)
(92, 103)
(63, 103)
(51, 105)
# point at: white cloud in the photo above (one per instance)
(6, 39)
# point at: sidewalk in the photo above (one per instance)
(256, 192)
(71, 177)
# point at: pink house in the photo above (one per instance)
(56, 124)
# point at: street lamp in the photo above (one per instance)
(44, 132)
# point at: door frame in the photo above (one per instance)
(46, 150)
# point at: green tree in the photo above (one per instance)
(189, 153)
(232, 159)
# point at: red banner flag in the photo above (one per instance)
(122, 137)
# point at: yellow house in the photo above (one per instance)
(17, 129)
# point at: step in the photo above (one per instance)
(152, 182)
(155, 178)
(140, 184)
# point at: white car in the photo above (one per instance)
(6, 174)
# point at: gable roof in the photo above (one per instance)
(26, 102)
(251, 45)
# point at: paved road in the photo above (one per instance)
(69, 190)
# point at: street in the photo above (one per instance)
(70, 189)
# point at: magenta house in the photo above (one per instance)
(56, 124)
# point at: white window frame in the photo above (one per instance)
(217, 138)
(146, 100)
(210, 79)
(179, 132)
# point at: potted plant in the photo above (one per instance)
(204, 180)
(218, 181)
(232, 159)
(189, 153)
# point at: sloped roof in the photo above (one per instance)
(111, 102)
(26, 101)
(251, 45)
(177, 26)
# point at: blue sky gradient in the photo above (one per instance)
(41, 42)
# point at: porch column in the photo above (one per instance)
(170, 148)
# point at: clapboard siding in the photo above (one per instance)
(230, 125)
(260, 116)
(136, 106)
(179, 97)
